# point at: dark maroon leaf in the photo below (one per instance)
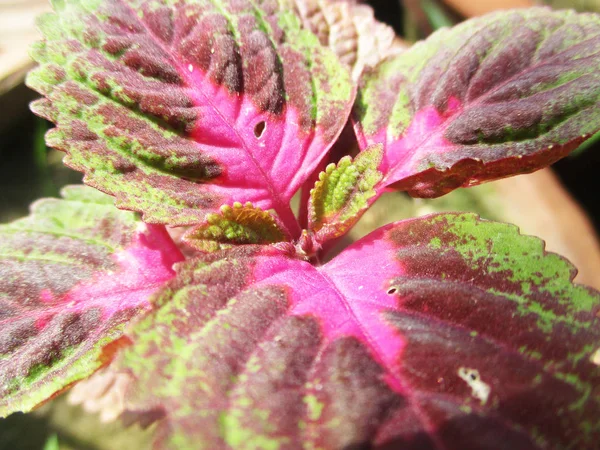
(495, 96)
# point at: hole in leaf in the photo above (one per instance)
(392, 290)
(479, 389)
(596, 357)
(259, 129)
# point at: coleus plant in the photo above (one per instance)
(442, 332)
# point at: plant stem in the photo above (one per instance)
(40, 158)
(436, 15)
(286, 215)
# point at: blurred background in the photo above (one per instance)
(559, 204)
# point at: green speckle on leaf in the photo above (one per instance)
(315, 407)
(239, 437)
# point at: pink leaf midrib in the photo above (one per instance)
(378, 354)
(374, 349)
(281, 207)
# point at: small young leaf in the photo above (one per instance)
(495, 96)
(350, 30)
(177, 108)
(240, 224)
(71, 275)
(440, 332)
(342, 194)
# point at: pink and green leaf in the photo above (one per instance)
(442, 332)
(73, 273)
(495, 96)
(177, 108)
(236, 225)
(343, 193)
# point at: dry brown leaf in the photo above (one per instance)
(350, 30)
(103, 393)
